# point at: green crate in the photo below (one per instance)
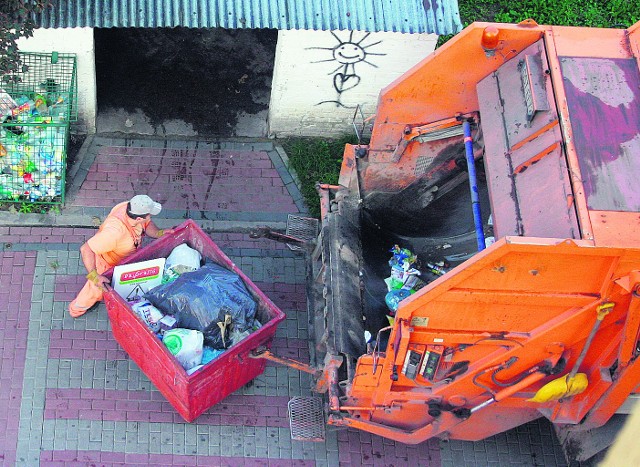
(37, 106)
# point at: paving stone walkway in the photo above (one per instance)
(72, 396)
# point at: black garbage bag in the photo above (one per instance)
(212, 299)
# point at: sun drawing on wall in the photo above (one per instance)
(347, 53)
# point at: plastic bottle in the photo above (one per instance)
(40, 104)
(394, 297)
(5, 193)
(437, 270)
(23, 111)
(60, 109)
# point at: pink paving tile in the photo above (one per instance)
(96, 176)
(362, 448)
(194, 174)
(12, 359)
(109, 459)
(120, 405)
(20, 230)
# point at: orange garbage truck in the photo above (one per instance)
(506, 165)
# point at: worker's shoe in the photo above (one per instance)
(76, 311)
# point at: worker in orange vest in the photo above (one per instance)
(118, 237)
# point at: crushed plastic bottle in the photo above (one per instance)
(437, 269)
(394, 297)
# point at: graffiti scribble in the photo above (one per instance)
(347, 54)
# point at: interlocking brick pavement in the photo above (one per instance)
(196, 179)
(95, 403)
(16, 276)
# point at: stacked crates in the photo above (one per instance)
(37, 105)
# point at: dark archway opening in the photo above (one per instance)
(207, 82)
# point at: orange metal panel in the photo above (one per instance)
(484, 423)
(612, 228)
(565, 123)
(578, 42)
(527, 173)
(453, 71)
(522, 301)
(444, 83)
(606, 128)
(606, 406)
(501, 322)
(634, 40)
(380, 173)
(348, 170)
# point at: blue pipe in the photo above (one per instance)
(473, 185)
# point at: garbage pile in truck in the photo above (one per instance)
(406, 277)
(198, 310)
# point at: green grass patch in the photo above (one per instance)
(315, 160)
(591, 13)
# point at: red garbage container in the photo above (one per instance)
(192, 394)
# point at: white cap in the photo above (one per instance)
(142, 205)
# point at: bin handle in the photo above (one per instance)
(179, 228)
(375, 348)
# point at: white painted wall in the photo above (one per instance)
(80, 42)
(306, 74)
(308, 71)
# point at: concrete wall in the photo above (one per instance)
(80, 42)
(320, 77)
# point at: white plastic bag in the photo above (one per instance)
(7, 104)
(149, 314)
(185, 345)
(183, 259)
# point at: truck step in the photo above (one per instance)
(303, 228)
(306, 418)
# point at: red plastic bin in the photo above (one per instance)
(192, 394)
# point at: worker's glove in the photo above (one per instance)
(93, 276)
(162, 232)
(97, 279)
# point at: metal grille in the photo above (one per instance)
(422, 164)
(306, 419)
(37, 104)
(304, 228)
(51, 76)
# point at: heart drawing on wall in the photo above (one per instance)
(343, 82)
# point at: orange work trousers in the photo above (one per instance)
(90, 293)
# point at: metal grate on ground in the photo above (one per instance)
(302, 228)
(306, 418)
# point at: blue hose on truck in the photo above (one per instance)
(473, 185)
